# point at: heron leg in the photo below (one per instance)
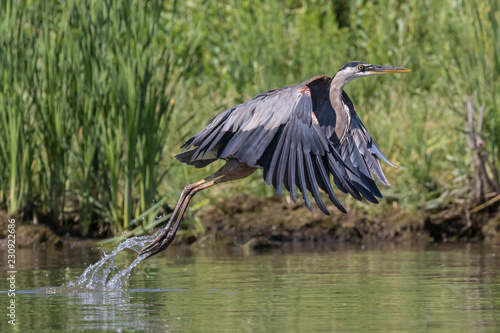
(232, 170)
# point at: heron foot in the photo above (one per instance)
(160, 243)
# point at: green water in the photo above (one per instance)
(296, 289)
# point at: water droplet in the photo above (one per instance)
(105, 275)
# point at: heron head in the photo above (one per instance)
(356, 69)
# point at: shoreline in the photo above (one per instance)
(256, 222)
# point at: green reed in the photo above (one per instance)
(87, 96)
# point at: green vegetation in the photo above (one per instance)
(97, 96)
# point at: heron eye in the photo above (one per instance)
(361, 67)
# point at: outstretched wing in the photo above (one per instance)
(278, 131)
(361, 154)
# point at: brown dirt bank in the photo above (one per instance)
(266, 221)
(263, 222)
(28, 234)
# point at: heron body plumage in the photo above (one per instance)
(301, 136)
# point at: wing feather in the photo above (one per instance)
(312, 184)
(282, 163)
(301, 184)
(291, 172)
(324, 182)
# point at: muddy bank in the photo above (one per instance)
(263, 222)
(28, 234)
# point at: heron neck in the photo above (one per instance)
(341, 113)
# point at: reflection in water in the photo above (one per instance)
(109, 310)
(452, 287)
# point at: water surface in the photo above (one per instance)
(294, 289)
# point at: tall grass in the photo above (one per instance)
(96, 96)
(476, 71)
(87, 96)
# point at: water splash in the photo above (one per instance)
(105, 275)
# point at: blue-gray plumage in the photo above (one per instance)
(299, 135)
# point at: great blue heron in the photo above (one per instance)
(299, 135)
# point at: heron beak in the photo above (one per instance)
(388, 69)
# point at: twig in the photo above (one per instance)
(484, 205)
